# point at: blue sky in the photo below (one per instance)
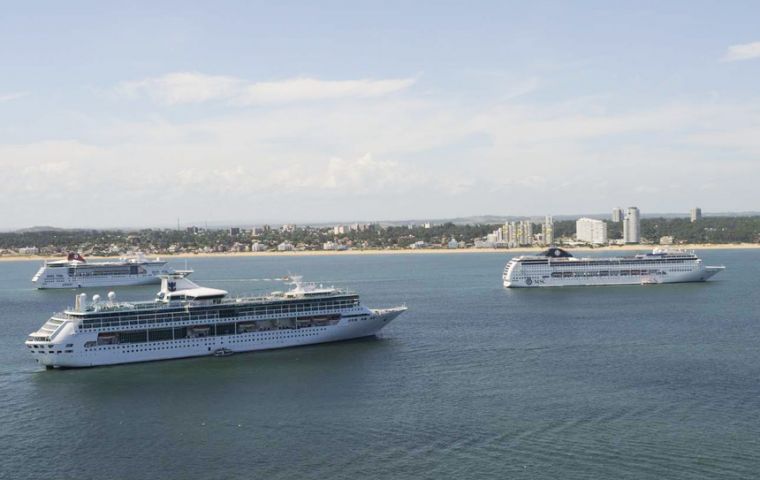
(335, 111)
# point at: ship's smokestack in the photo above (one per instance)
(81, 302)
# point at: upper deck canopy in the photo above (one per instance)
(555, 252)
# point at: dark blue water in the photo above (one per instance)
(474, 381)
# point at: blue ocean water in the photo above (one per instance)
(474, 381)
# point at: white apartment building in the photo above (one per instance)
(547, 230)
(258, 247)
(591, 231)
(617, 214)
(632, 225)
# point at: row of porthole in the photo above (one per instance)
(265, 332)
(280, 337)
(193, 345)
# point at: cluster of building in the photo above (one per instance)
(594, 231)
(519, 234)
(290, 237)
(355, 227)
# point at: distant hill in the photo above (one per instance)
(41, 229)
(470, 220)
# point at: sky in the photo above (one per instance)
(140, 113)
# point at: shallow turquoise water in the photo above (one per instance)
(473, 381)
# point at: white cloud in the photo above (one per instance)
(744, 51)
(338, 176)
(743, 139)
(428, 157)
(183, 87)
(309, 89)
(7, 97)
(190, 87)
(365, 174)
(50, 168)
(520, 89)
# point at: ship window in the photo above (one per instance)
(225, 329)
(133, 337)
(159, 334)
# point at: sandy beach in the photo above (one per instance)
(424, 251)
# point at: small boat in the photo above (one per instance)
(223, 352)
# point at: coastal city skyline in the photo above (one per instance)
(363, 115)
(621, 228)
(182, 224)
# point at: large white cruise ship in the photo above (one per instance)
(556, 267)
(76, 272)
(186, 320)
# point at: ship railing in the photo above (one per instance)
(189, 319)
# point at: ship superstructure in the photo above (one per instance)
(76, 272)
(187, 320)
(557, 267)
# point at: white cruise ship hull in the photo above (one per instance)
(55, 275)
(558, 268)
(122, 281)
(527, 281)
(68, 351)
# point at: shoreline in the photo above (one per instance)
(426, 251)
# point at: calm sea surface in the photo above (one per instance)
(474, 381)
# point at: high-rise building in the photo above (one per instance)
(518, 234)
(547, 230)
(696, 214)
(525, 232)
(591, 231)
(632, 226)
(617, 214)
